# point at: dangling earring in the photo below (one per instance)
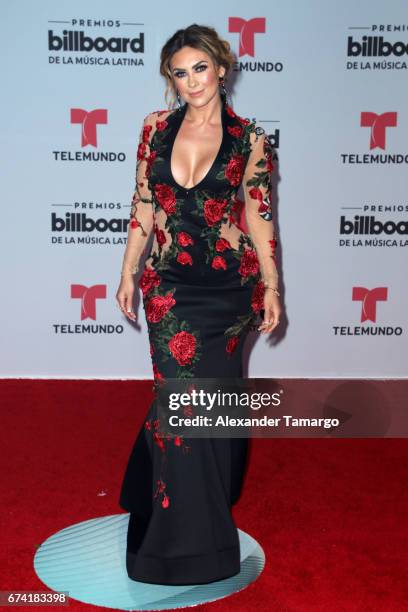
(178, 99)
(224, 92)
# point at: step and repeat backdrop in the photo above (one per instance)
(327, 81)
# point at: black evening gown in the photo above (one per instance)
(202, 292)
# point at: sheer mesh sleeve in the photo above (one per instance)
(141, 212)
(258, 210)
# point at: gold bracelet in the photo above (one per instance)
(266, 285)
(274, 290)
(133, 270)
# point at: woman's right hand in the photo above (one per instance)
(124, 296)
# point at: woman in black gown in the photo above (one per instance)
(204, 284)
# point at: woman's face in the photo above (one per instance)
(195, 76)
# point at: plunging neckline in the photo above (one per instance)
(178, 125)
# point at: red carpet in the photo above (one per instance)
(331, 515)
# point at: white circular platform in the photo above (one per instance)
(88, 560)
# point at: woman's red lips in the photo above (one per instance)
(196, 93)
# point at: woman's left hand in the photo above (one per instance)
(272, 312)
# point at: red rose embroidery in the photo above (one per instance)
(146, 132)
(185, 258)
(160, 486)
(160, 489)
(159, 441)
(183, 347)
(149, 163)
(232, 344)
(222, 244)
(165, 501)
(236, 130)
(214, 210)
(184, 239)
(257, 299)
(166, 198)
(158, 306)
(177, 440)
(235, 169)
(249, 263)
(256, 194)
(148, 280)
(160, 236)
(219, 263)
(230, 111)
(134, 224)
(156, 374)
(141, 151)
(235, 213)
(161, 125)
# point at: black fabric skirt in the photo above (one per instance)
(181, 530)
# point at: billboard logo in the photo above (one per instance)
(375, 46)
(369, 225)
(371, 52)
(78, 41)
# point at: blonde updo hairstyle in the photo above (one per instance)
(199, 37)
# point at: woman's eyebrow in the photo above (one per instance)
(194, 65)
